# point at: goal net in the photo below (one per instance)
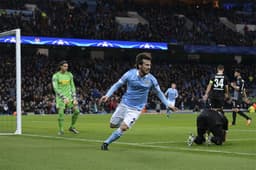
(10, 82)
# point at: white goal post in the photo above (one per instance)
(16, 33)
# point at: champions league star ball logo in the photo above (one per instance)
(147, 46)
(104, 44)
(37, 40)
(10, 40)
(60, 42)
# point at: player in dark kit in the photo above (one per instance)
(210, 121)
(217, 89)
(239, 94)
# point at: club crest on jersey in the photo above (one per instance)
(147, 82)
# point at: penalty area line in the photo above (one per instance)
(244, 130)
(143, 145)
(173, 142)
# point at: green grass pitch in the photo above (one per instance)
(154, 143)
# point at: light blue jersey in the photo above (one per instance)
(138, 88)
(172, 94)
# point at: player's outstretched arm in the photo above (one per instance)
(73, 90)
(114, 87)
(208, 89)
(162, 97)
(110, 91)
(118, 84)
(166, 93)
(233, 84)
(103, 99)
(56, 89)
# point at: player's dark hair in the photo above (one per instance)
(142, 56)
(61, 63)
(220, 67)
(237, 70)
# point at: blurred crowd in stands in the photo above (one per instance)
(93, 77)
(198, 24)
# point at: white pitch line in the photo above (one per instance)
(243, 130)
(65, 138)
(6, 134)
(158, 142)
(144, 145)
(244, 139)
(173, 142)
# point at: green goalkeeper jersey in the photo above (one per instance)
(63, 85)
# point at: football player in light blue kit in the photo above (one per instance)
(139, 82)
(172, 94)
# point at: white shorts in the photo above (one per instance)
(172, 103)
(126, 114)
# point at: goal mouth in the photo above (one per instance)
(16, 33)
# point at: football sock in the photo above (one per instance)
(234, 118)
(61, 119)
(114, 136)
(74, 117)
(168, 112)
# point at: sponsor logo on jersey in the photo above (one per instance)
(64, 82)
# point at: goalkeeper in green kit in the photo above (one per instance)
(64, 88)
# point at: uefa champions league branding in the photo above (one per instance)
(60, 42)
(85, 42)
(126, 45)
(104, 44)
(10, 40)
(147, 46)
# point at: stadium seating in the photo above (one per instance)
(93, 77)
(182, 23)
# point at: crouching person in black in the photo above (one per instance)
(211, 121)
